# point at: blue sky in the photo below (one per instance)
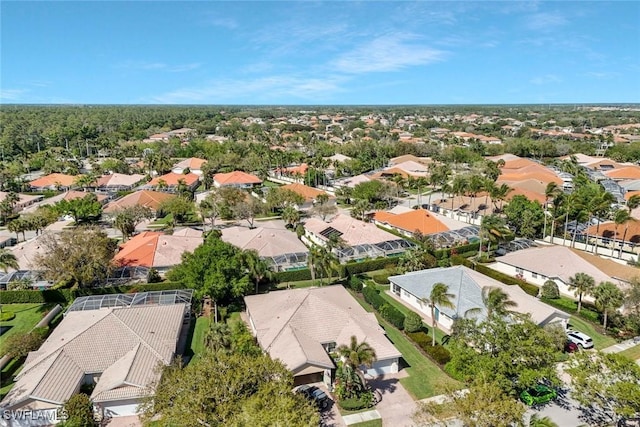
(339, 52)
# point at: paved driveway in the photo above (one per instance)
(567, 412)
(395, 405)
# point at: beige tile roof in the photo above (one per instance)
(124, 344)
(354, 232)
(290, 324)
(119, 180)
(554, 261)
(269, 239)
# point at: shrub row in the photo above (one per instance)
(471, 248)
(388, 312)
(381, 279)
(588, 311)
(529, 288)
(437, 353)
(369, 265)
(65, 296)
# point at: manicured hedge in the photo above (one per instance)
(65, 296)
(369, 265)
(372, 296)
(392, 315)
(437, 353)
(471, 248)
(529, 288)
(5, 316)
(588, 311)
(293, 275)
(381, 279)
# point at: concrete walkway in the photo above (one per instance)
(361, 417)
(622, 346)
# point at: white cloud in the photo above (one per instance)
(545, 21)
(228, 23)
(149, 66)
(546, 79)
(387, 53)
(12, 94)
(602, 75)
(261, 90)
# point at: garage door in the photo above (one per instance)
(316, 377)
(121, 409)
(383, 367)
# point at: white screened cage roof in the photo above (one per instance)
(96, 302)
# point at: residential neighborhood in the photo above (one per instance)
(369, 268)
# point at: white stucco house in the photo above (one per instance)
(466, 285)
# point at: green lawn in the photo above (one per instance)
(632, 353)
(599, 341)
(197, 340)
(425, 378)
(27, 316)
(306, 283)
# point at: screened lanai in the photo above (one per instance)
(168, 297)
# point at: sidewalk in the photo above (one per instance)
(617, 348)
(361, 417)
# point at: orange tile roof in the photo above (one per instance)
(630, 194)
(171, 179)
(150, 199)
(309, 193)
(608, 230)
(518, 163)
(296, 170)
(54, 179)
(628, 172)
(416, 220)
(72, 195)
(191, 163)
(139, 251)
(236, 178)
(531, 195)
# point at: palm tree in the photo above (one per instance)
(538, 421)
(357, 354)
(608, 297)
(458, 187)
(218, 337)
(583, 285)
(493, 229)
(600, 206)
(475, 185)
(621, 216)
(256, 266)
(633, 202)
(290, 215)
(8, 260)
(551, 193)
(496, 301)
(439, 296)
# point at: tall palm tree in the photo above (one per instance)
(290, 215)
(475, 185)
(551, 193)
(496, 301)
(256, 266)
(621, 216)
(357, 354)
(8, 260)
(494, 230)
(458, 187)
(582, 284)
(608, 298)
(600, 206)
(439, 296)
(633, 202)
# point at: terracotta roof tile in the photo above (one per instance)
(416, 220)
(236, 178)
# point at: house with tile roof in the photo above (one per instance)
(115, 347)
(147, 198)
(194, 164)
(155, 249)
(24, 200)
(171, 181)
(360, 240)
(118, 182)
(236, 179)
(53, 181)
(466, 285)
(310, 194)
(559, 264)
(275, 244)
(409, 222)
(293, 326)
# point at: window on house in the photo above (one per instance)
(519, 270)
(534, 275)
(330, 347)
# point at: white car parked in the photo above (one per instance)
(578, 338)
